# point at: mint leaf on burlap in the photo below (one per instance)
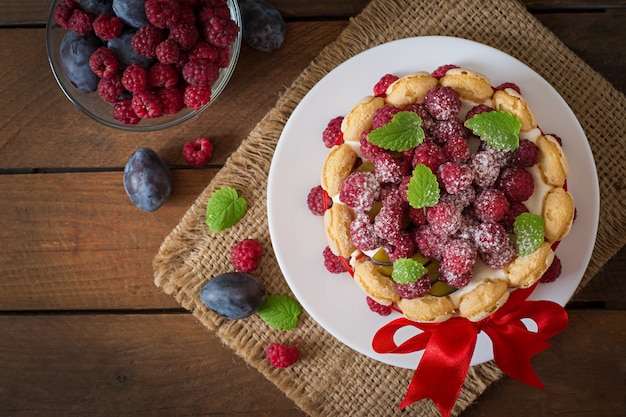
(224, 209)
(280, 312)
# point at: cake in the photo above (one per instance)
(442, 194)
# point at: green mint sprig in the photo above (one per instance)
(402, 133)
(224, 209)
(407, 270)
(423, 190)
(280, 312)
(499, 129)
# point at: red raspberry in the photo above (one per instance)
(197, 96)
(380, 88)
(162, 13)
(517, 184)
(103, 62)
(389, 169)
(111, 89)
(81, 22)
(315, 200)
(63, 11)
(441, 71)
(332, 262)
(223, 57)
(388, 222)
(508, 85)
(200, 72)
(500, 258)
(281, 356)
(443, 103)
(246, 254)
(429, 154)
(363, 234)
(208, 11)
(415, 289)
(456, 149)
(221, 32)
(428, 122)
(368, 149)
(123, 111)
(162, 75)
(360, 190)
(402, 246)
(486, 169)
(481, 108)
(147, 104)
(461, 199)
(455, 178)
(167, 52)
(444, 218)
(557, 138)
(553, 271)
(443, 130)
(332, 134)
(107, 27)
(490, 237)
(135, 78)
(526, 155)
(515, 209)
(491, 205)
(501, 158)
(384, 115)
(377, 307)
(185, 35)
(203, 50)
(429, 243)
(187, 14)
(171, 100)
(197, 152)
(146, 39)
(458, 256)
(417, 216)
(452, 279)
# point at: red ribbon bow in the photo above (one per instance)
(449, 346)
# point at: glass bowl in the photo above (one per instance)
(95, 107)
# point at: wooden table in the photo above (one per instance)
(84, 330)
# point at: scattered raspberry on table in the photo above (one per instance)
(281, 356)
(197, 152)
(246, 255)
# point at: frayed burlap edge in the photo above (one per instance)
(331, 379)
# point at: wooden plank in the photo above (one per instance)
(164, 365)
(47, 139)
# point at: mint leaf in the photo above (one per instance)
(529, 233)
(224, 209)
(499, 129)
(402, 133)
(280, 312)
(407, 270)
(423, 189)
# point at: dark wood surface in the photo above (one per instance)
(84, 330)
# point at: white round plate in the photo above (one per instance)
(298, 238)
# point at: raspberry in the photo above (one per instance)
(486, 169)
(315, 200)
(517, 184)
(197, 152)
(420, 109)
(456, 149)
(490, 237)
(197, 96)
(332, 134)
(221, 32)
(63, 11)
(441, 71)
(187, 15)
(500, 258)
(458, 256)
(388, 222)
(443, 103)
(162, 75)
(429, 243)
(452, 279)
(146, 104)
(185, 35)
(208, 11)
(146, 39)
(123, 111)
(384, 115)
(417, 216)
(443, 130)
(281, 356)
(501, 158)
(332, 262)
(429, 154)
(246, 254)
(515, 209)
(557, 138)
(553, 272)
(167, 52)
(200, 72)
(202, 50)
(111, 89)
(481, 108)
(444, 218)
(377, 307)
(526, 155)
(363, 234)
(360, 190)
(103, 62)
(461, 200)
(415, 289)
(508, 85)
(223, 57)
(171, 100)
(389, 169)
(491, 205)
(107, 27)
(380, 88)
(81, 22)
(455, 178)
(135, 78)
(162, 13)
(401, 246)
(368, 149)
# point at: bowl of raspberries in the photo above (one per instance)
(143, 65)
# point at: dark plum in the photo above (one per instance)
(74, 52)
(132, 12)
(125, 52)
(233, 295)
(147, 179)
(97, 6)
(263, 27)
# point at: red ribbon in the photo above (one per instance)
(449, 346)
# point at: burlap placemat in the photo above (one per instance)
(330, 379)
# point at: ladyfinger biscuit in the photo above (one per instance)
(484, 299)
(338, 165)
(558, 214)
(337, 220)
(410, 89)
(360, 117)
(427, 308)
(470, 85)
(524, 271)
(510, 101)
(552, 161)
(380, 287)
